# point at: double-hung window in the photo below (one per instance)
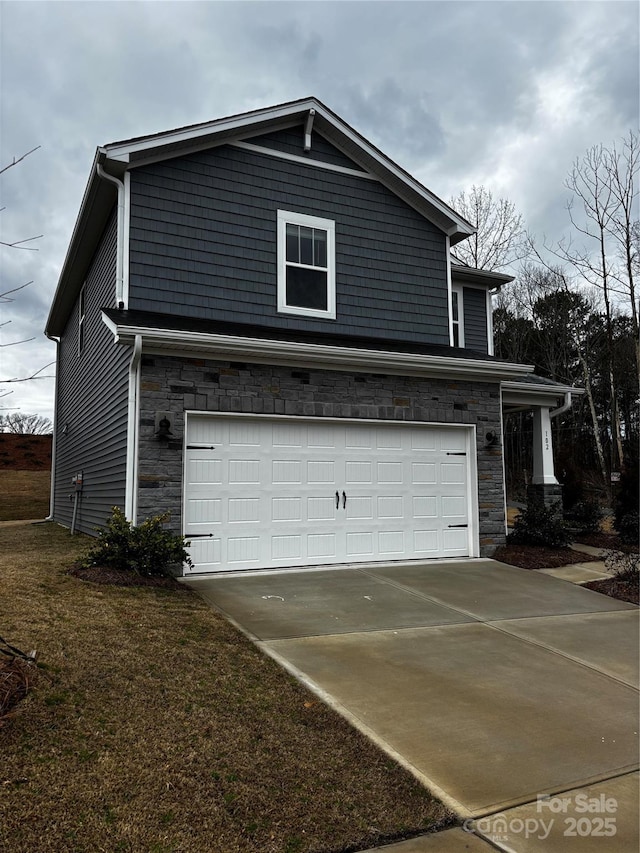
(306, 265)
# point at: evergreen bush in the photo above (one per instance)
(539, 525)
(147, 549)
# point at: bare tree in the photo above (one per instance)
(622, 171)
(8, 296)
(22, 424)
(602, 185)
(500, 238)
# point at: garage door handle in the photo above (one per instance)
(458, 525)
(337, 500)
(344, 501)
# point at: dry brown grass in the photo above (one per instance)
(25, 494)
(158, 727)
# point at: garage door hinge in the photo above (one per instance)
(450, 453)
(458, 525)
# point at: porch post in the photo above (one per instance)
(544, 486)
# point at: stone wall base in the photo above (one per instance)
(546, 494)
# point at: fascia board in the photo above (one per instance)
(77, 238)
(161, 341)
(123, 151)
(553, 390)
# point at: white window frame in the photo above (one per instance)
(457, 289)
(82, 313)
(286, 217)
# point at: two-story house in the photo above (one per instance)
(261, 332)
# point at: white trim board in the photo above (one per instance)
(163, 341)
(306, 161)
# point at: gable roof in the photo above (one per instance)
(118, 157)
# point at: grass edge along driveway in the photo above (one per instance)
(157, 726)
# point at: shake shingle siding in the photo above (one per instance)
(92, 403)
(475, 319)
(203, 244)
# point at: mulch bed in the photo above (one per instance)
(534, 557)
(114, 577)
(615, 588)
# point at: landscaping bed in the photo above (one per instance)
(156, 726)
(536, 557)
(623, 590)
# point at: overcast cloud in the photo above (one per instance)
(505, 94)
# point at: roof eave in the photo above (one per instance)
(97, 202)
(176, 143)
(319, 355)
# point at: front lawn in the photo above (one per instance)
(157, 727)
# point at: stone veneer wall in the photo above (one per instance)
(172, 385)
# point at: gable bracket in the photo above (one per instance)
(308, 127)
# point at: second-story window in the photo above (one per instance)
(306, 265)
(456, 318)
(81, 320)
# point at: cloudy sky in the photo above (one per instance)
(502, 94)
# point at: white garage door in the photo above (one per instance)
(267, 492)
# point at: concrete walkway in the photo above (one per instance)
(495, 686)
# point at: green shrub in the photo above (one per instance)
(585, 516)
(624, 567)
(628, 526)
(148, 548)
(539, 525)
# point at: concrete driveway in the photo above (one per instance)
(494, 685)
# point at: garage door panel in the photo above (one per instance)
(390, 507)
(425, 506)
(244, 472)
(321, 508)
(391, 543)
(204, 511)
(288, 435)
(453, 507)
(320, 435)
(453, 473)
(423, 473)
(286, 509)
(359, 437)
(243, 549)
(357, 473)
(425, 542)
(389, 472)
(244, 510)
(286, 547)
(206, 554)
(245, 433)
(388, 439)
(360, 544)
(205, 470)
(321, 471)
(422, 439)
(286, 471)
(452, 441)
(321, 545)
(359, 508)
(455, 540)
(262, 492)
